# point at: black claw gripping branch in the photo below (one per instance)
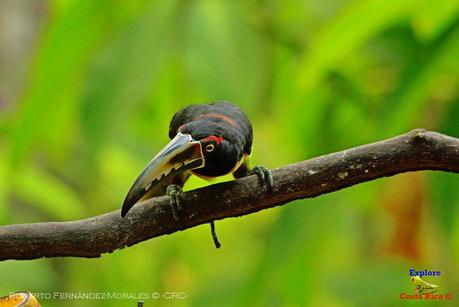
(207, 140)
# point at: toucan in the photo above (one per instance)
(207, 140)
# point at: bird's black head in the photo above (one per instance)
(221, 147)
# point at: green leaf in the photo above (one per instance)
(124, 73)
(48, 194)
(431, 18)
(223, 55)
(357, 23)
(407, 107)
(47, 113)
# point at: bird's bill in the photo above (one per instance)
(181, 154)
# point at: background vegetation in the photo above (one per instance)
(87, 89)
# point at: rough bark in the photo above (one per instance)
(413, 151)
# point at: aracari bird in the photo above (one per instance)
(207, 140)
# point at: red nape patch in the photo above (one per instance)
(220, 116)
(216, 139)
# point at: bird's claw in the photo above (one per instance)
(174, 192)
(264, 174)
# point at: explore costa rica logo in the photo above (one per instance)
(424, 290)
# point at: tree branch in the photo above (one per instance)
(413, 151)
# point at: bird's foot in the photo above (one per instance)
(174, 192)
(264, 174)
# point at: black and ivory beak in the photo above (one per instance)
(181, 154)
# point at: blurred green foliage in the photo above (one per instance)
(105, 78)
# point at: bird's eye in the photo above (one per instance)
(210, 147)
